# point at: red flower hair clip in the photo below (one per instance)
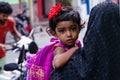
(54, 11)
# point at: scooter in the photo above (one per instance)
(22, 22)
(25, 46)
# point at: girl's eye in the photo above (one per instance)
(61, 31)
(73, 28)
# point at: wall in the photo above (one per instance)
(48, 4)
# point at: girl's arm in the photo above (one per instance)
(61, 56)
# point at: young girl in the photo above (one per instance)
(65, 25)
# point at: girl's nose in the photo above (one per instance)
(68, 33)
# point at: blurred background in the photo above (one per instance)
(36, 12)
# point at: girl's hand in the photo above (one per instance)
(29, 62)
(61, 56)
(76, 46)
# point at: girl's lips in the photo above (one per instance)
(70, 40)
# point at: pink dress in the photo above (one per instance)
(42, 62)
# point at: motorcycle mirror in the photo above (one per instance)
(33, 48)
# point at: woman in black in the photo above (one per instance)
(99, 59)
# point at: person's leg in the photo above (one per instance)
(2, 63)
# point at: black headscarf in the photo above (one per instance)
(101, 51)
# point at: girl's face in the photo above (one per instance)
(67, 32)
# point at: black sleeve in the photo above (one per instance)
(70, 71)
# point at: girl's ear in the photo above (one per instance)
(53, 33)
(81, 26)
(50, 32)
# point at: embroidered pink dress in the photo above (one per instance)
(42, 63)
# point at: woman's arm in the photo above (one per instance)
(61, 56)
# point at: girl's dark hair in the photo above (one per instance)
(66, 13)
(5, 8)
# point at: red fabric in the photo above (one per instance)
(8, 26)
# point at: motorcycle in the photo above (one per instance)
(22, 22)
(25, 46)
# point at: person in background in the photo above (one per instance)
(7, 24)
